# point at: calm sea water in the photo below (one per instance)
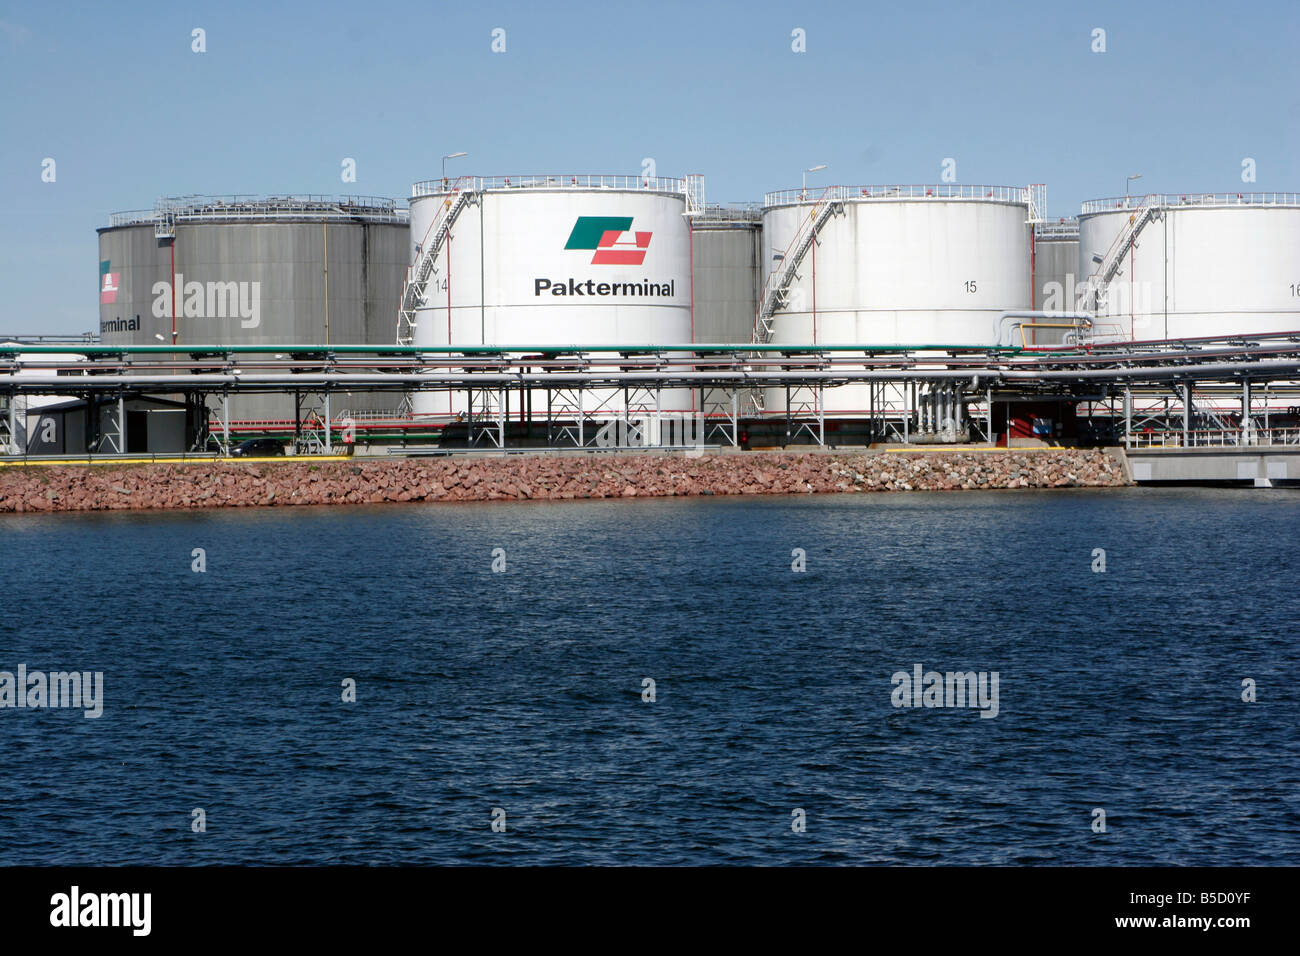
(523, 690)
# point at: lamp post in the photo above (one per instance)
(1126, 185)
(444, 164)
(810, 169)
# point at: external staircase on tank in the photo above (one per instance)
(1097, 284)
(415, 294)
(777, 285)
(415, 289)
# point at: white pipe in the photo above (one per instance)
(1284, 368)
(999, 326)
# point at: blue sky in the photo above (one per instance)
(883, 94)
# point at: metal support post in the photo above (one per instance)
(1246, 427)
(1128, 416)
(1187, 413)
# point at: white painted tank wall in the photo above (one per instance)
(1200, 271)
(896, 272)
(486, 289)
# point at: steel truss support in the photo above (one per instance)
(196, 420)
(488, 410)
(720, 408)
(223, 440)
(887, 411)
(114, 436)
(575, 414)
(642, 404)
(805, 413)
(9, 438)
(1187, 413)
(312, 430)
(1128, 416)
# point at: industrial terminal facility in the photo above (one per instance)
(604, 311)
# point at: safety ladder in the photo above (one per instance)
(414, 295)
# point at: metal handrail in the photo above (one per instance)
(1015, 194)
(434, 187)
(1215, 438)
(248, 207)
(1191, 199)
(748, 213)
(1065, 228)
(1109, 264)
(768, 297)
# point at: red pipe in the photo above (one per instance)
(1033, 269)
(449, 398)
(172, 249)
(690, 232)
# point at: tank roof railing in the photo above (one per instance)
(1059, 229)
(787, 197)
(739, 212)
(199, 208)
(1191, 199)
(655, 184)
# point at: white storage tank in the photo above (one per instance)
(893, 265)
(552, 260)
(1192, 265)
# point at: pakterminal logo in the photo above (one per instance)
(604, 235)
(107, 282)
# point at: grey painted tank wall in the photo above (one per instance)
(278, 294)
(726, 270)
(1055, 261)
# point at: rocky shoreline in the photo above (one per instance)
(519, 477)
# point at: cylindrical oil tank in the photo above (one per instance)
(1055, 262)
(553, 260)
(1192, 265)
(894, 265)
(286, 270)
(726, 245)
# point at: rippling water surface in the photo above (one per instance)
(523, 690)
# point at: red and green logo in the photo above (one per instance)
(604, 235)
(108, 282)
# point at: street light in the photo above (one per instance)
(1129, 180)
(811, 169)
(444, 163)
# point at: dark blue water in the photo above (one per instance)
(523, 690)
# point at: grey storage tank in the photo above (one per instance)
(726, 242)
(1055, 260)
(246, 270)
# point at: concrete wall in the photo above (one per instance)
(1260, 467)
